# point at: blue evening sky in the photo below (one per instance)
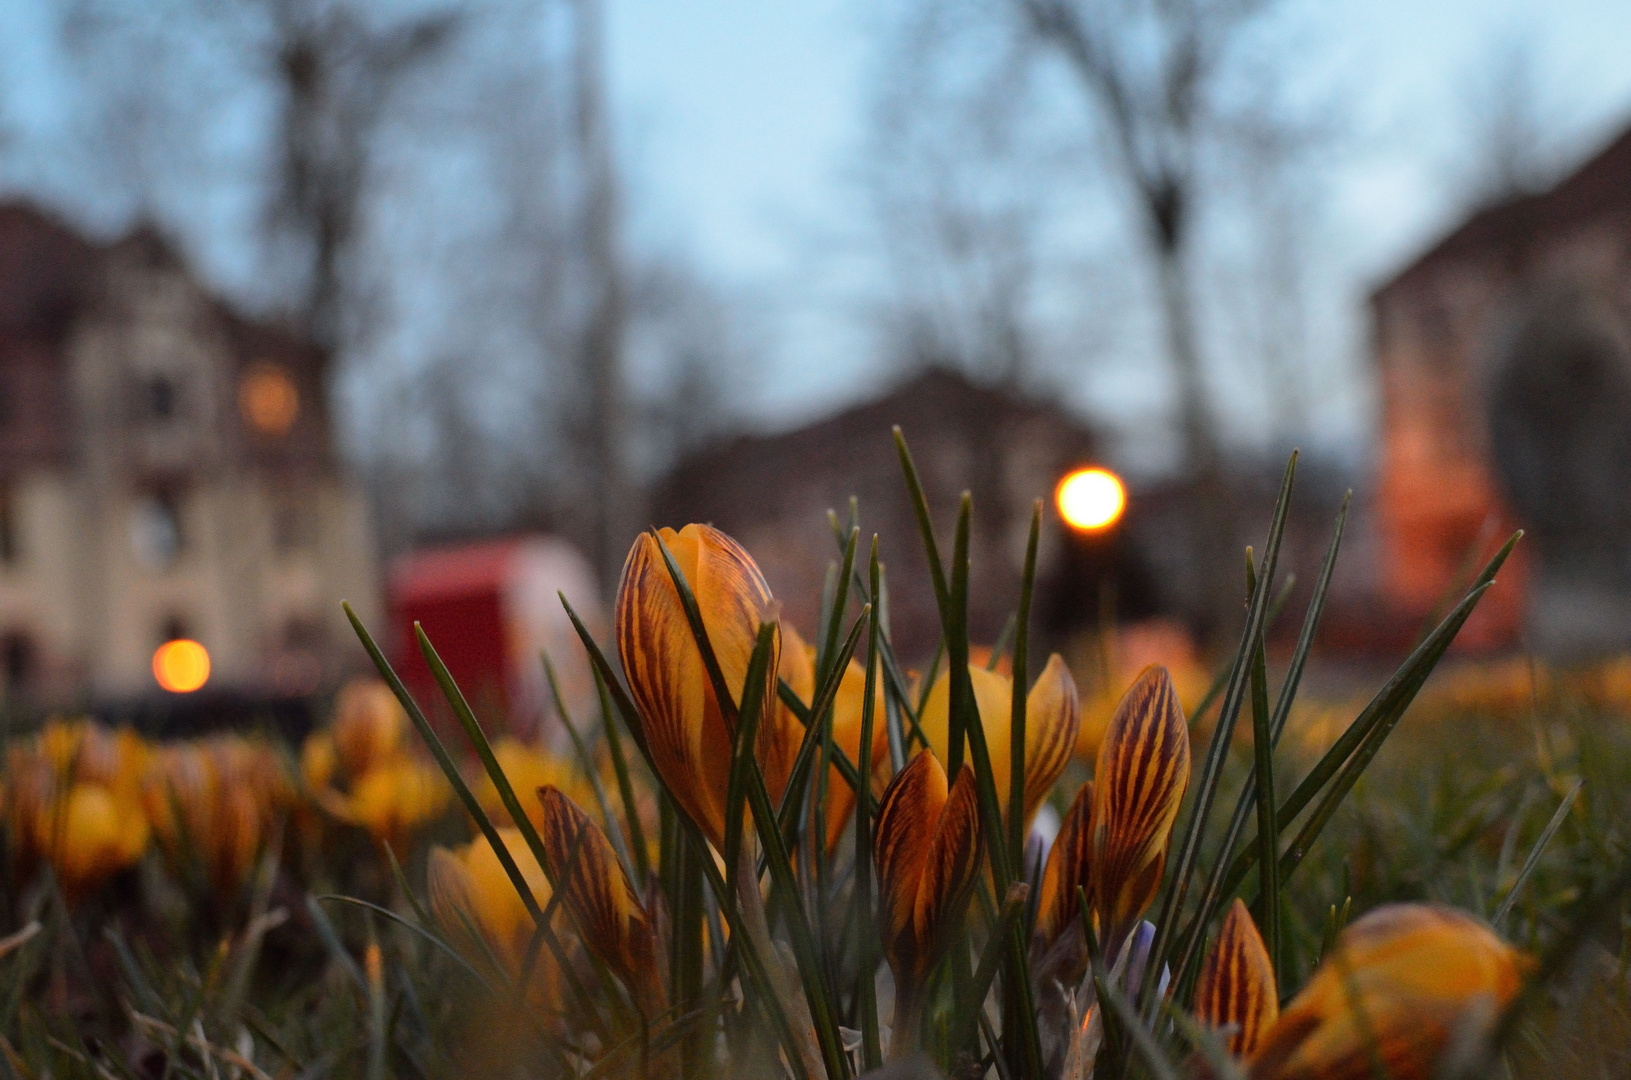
(742, 117)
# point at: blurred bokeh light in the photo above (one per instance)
(181, 666)
(1091, 499)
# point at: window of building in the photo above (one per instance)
(156, 533)
(11, 552)
(17, 662)
(160, 398)
(294, 526)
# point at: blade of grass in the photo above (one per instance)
(512, 805)
(1535, 852)
(1005, 641)
(793, 801)
(422, 931)
(835, 621)
(1268, 835)
(625, 788)
(891, 703)
(1222, 734)
(1013, 907)
(1019, 1013)
(868, 949)
(451, 770)
(964, 713)
(1206, 910)
(614, 831)
(1384, 708)
(747, 731)
(1355, 766)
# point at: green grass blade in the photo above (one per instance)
(925, 524)
(422, 931)
(1005, 641)
(1415, 669)
(813, 717)
(1535, 852)
(625, 787)
(1187, 966)
(1013, 908)
(1222, 734)
(450, 769)
(1263, 752)
(1022, 679)
(747, 731)
(512, 805)
(964, 719)
(1354, 767)
(614, 830)
(835, 617)
(868, 948)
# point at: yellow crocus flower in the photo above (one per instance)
(681, 721)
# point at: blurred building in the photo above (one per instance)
(166, 470)
(773, 493)
(1504, 353)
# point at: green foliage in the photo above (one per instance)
(771, 953)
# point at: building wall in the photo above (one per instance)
(153, 499)
(1446, 332)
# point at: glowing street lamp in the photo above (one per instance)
(1090, 500)
(181, 666)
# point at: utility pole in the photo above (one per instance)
(610, 494)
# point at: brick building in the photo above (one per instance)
(772, 492)
(166, 470)
(1504, 354)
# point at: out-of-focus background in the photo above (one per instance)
(432, 306)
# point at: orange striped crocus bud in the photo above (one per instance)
(1052, 714)
(927, 846)
(605, 908)
(1069, 866)
(689, 735)
(1142, 772)
(1398, 985)
(1237, 989)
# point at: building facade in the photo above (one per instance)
(1504, 356)
(167, 470)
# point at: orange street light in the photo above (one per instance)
(1090, 499)
(181, 666)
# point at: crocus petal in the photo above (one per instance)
(468, 887)
(1398, 984)
(682, 722)
(781, 732)
(604, 906)
(994, 697)
(949, 869)
(1051, 718)
(1237, 987)
(1052, 714)
(1070, 864)
(368, 724)
(1142, 772)
(908, 813)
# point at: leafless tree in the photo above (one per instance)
(1154, 72)
(333, 72)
